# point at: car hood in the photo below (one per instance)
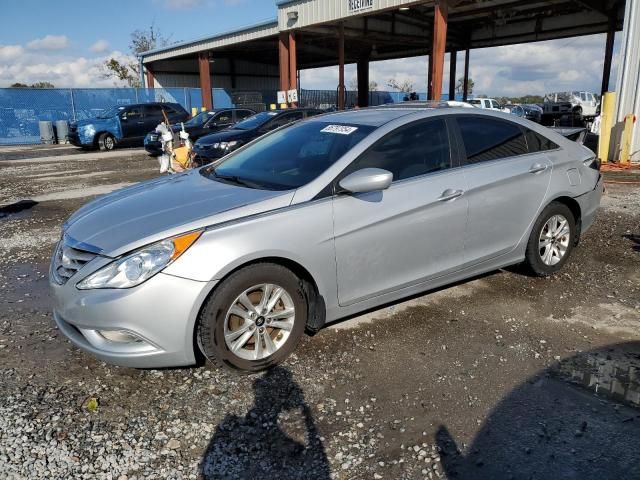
(224, 136)
(93, 121)
(151, 211)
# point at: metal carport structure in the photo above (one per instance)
(318, 33)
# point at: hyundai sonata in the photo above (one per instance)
(313, 222)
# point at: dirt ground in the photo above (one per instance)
(504, 376)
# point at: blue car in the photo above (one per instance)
(123, 125)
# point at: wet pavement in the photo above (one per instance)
(500, 377)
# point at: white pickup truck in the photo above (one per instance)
(487, 104)
(583, 104)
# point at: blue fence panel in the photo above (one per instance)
(22, 108)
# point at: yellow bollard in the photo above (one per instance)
(203, 109)
(625, 143)
(283, 106)
(273, 106)
(194, 111)
(606, 124)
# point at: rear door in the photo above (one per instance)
(152, 117)
(412, 231)
(506, 184)
(132, 122)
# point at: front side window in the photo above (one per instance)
(289, 158)
(409, 151)
(135, 112)
(223, 118)
(488, 139)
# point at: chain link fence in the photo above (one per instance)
(22, 108)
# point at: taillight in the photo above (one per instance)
(592, 162)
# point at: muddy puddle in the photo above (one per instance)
(613, 374)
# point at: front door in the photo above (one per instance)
(506, 185)
(132, 122)
(410, 232)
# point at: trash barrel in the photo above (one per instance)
(62, 131)
(47, 135)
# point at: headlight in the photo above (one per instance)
(227, 145)
(140, 265)
(90, 130)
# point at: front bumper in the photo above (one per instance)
(161, 312)
(154, 147)
(79, 140)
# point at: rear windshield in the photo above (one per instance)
(200, 119)
(254, 121)
(289, 158)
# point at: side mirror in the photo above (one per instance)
(367, 180)
(124, 117)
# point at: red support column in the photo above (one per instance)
(438, 46)
(293, 64)
(205, 80)
(341, 87)
(283, 51)
(150, 77)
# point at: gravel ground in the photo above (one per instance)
(504, 376)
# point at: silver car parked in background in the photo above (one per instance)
(311, 223)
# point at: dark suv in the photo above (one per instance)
(126, 124)
(204, 123)
(217, 145)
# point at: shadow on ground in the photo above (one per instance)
(577, 420)
(257, 446)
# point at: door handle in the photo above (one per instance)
(537, 168)
(450, 194)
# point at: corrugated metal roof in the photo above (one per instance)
(251, 32)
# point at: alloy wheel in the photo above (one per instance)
(554, 240)
(259, 321)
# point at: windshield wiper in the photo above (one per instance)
(235, 179)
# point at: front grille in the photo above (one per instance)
(67, 261)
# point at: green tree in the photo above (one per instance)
(42, 85)
(405, 85)
(19, 85)
(129, 71)
(460, 86)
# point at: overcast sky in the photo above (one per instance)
(65, 42)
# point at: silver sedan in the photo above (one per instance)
(311, 223)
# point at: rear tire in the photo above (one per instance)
(254, 319)
(551, 241)
(106, 142)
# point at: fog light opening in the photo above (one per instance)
(119, 336)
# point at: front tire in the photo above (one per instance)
(552, 240)
(106, 142)
(254, 319)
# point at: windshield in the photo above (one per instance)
(474, 102)
(199, 119)
(110, 112)
(289, 158)
(254, 121)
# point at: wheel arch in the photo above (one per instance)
(576, 210)
(316, 304)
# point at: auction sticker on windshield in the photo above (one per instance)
(341, 129)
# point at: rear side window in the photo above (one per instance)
(417, 149)
(242, 114)
(487, 139)
(538, 143)
(153, 110)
